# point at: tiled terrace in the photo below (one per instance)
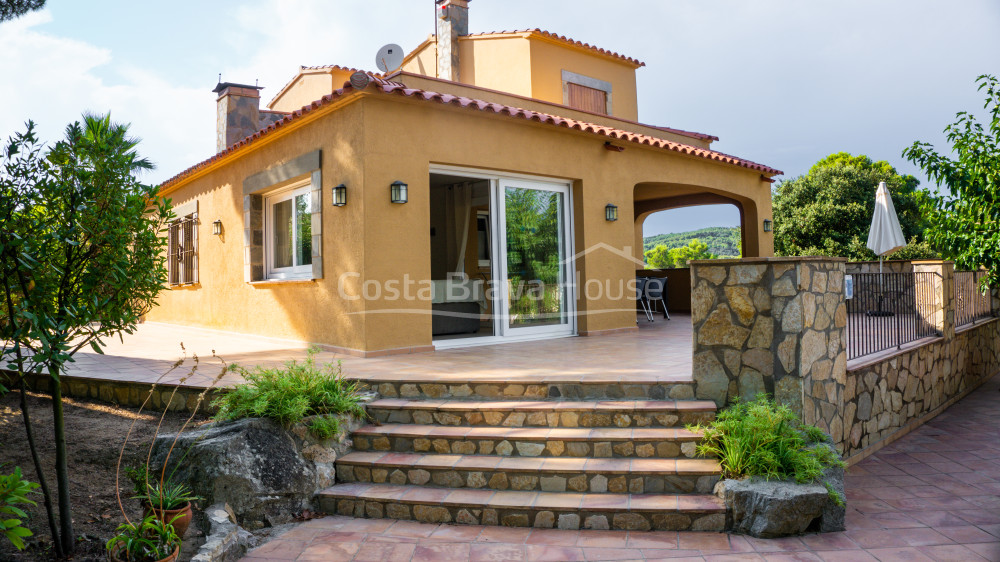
(659, 352)
(932, 495)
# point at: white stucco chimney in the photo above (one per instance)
(452, 23)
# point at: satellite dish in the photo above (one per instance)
(389, 58)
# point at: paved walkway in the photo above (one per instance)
(659, 352)
(932, 495)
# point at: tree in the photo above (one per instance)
(828, 211)
(81, 260)
(965, 223)
(662, 257)
(12, 9)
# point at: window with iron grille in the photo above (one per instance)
(182, 250)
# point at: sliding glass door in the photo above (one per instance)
(535, 260)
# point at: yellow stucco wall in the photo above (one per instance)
(309, 86)
(379, 138)
(549, 59)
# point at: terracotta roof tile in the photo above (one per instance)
(564, 39)
(396, 88)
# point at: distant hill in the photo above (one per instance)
(722, 241)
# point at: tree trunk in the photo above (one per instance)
(62, 467)
(46, 495)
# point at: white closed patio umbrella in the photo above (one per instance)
(885, 236)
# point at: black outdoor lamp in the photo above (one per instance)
(611, 212)
(217, 227)
(397, 192)
(340, 195)
(767, 225)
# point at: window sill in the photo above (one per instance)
(271, 282)
(185, 286)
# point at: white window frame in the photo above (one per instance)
(485, 215)
(302, 271)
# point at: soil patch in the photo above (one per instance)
(95, 432)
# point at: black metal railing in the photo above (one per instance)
(888, 310)
(972, 297)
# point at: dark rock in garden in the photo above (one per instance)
(770, 509)
(266, 474)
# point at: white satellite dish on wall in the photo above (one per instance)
(389, 57)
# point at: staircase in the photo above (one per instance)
(569, 455)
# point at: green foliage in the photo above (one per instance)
(761, 438)
(81, 257)
(965, 223)
(14, 490)
(324, 427)
(722, 241)
(166, 496)
(662, 257)
(828, 212)
(534, 256)
(146, 540)
(289, 394)
(13, 9)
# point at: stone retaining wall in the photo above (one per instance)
(779, 325)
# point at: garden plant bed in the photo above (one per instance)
(94, 432)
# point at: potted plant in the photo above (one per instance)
(149, 540)
(166, 500)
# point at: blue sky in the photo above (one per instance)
(782, 82)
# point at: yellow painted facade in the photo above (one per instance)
(369, 138)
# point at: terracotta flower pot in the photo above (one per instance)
(167, 516)
(113, 556)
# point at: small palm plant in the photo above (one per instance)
(146, 540)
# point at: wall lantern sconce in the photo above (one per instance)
(611, 212)
(613, 147)
(340, 195)
(397, 192)
(217, 227)
(767, 225)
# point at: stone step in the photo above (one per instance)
(605, 442)
(639, 512)
(553, 474)
(557, 387)
(543, 413)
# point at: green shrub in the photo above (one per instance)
(761, 438)
(290, 393)
(14, 490)
(324, 427)
(149, 539)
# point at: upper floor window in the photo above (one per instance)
(288, 231)
(586, 93)
(182, 245)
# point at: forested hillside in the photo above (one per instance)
(722, 241)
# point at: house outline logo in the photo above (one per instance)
(624, 253)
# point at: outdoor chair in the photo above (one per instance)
(640, 295)
(654, 291)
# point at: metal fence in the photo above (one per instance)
(972, 297)
(888, 310)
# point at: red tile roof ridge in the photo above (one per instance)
(564, 39)
(398, 88)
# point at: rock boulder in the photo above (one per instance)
(266, 473)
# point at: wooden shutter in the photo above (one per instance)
(172, 265)
(587, 99)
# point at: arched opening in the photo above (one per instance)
(680, 210)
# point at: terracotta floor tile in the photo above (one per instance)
(653, 539)
(546, 553)
(653, 502)
(496, 552)
(899, 554)
(950, 553)
(702, 541)
(456, 533)
(510, 498)
(846, 556)
(553, 537)
(978, 516)
(410, 529)
(989, 551)
(339, 536)
(426, 496)
(896, 520)
(441, 552)
(468, 497)
(512, 535)
(605, 502)
(877, 538)
(558, 501)
(279, 549)
(330, 551)
(938, 519)
(600, 553)
(602, 539)
(783, 544)
(381, 552)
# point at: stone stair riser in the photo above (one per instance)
(527, 391)
(594, 482)
(641, 448)
(656, 520)
(563, 418)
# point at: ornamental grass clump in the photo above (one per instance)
(762, 438)
(291, 393)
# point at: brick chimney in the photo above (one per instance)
(238, 113)
(452, 23)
